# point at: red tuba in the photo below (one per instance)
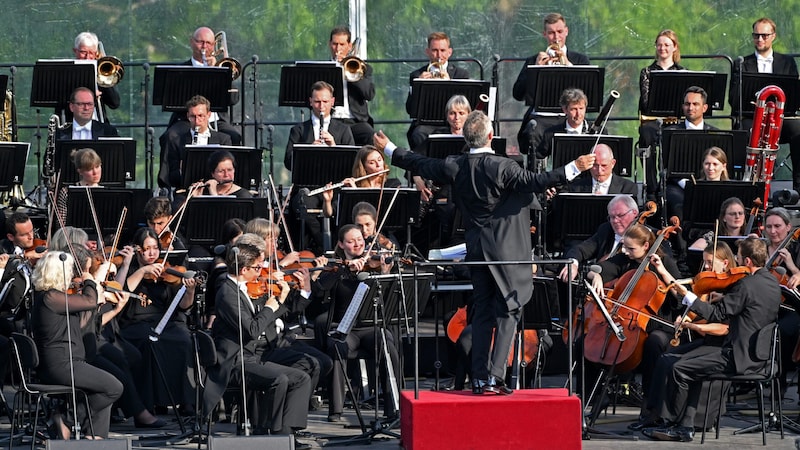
(763, 147)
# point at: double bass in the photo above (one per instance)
(635, 300)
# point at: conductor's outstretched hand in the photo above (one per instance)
(585, 162)
(380, 140)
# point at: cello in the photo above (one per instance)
(638, 290)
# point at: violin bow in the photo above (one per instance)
(100, 244)
(281, 218)
(383, 220)
(69, 241)
(117, 234)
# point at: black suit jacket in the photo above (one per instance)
(520, 86)
(223, 115)
(542, 139)
(597, 246)
(99, 129)
(176, 155)
(750, 305)
(359, 94)
(455, 73)
(619, 185)
(303, 133)
(493, 194)
(781, 65)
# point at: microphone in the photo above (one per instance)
(660, 122)
(254, 59)
(63, 257)
(362, 276)
(779, 269)
(220, 249)
(146, 66)
(740, 59)
(596, 268)
(234, 249)
(42, 249)
(271, 128)
(13, 70)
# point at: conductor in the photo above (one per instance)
(493, 194)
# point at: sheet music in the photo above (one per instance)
(350, 316)
(164, 320)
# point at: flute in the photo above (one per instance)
(338, 185)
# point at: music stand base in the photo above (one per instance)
(377, 427)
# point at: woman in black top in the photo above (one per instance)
(58, 339)
(668, 55)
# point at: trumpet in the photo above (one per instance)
(354, 67)
(436, 69)
(221, 49)
(109, 68)
(556, 56)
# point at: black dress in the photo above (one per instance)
(55, 342)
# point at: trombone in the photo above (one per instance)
(354, 67)
(221, 48)
(109, 68)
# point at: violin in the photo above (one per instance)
(266, 285)
(115, 287)
(709, 281)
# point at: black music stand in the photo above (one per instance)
(683, 150)
(668, 86)
(754, 82)
(247, 162)
(108, 202)
(203, 228)
(404, 211)
(441, 146)
(118, 156)
(431, 96)
(574, 217)
(13, 156)
(296, 82)
(54, 81)
(317, 165)
(173, 86)
(703, 199)
(567, 147)
(546, 83)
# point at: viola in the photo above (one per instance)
(267, 283)
(170, 275)
(708, 281)
(115, 286)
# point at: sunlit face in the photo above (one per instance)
(271, 244)
(718, 266)
(456, 118)
(556, 33)
(366, 223)
(82, 107)
(634, 249)
(85, 52)
(713, 168)
(23, 237)
(439, 50)
(576, 113)
(224, 172)
(694, 107)
(620, 217)
(665, 48)
(603, 165)
(148, 254)
(764, 37)
(321, 101)
(251, 273)
(91, 177)
(159, 223)
(198, 117)
(776, 229)
(374, 163)
(340, 46)
(734, 219)
(203, 39)
(352, 244)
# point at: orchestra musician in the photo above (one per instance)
(63, 360)
(438, 52)
(282, 392)
(90, 171)
(86, 46)
(731, 223)
(342, 286)
(766, 60)
(231, 230)
(602, 180)
(491, 192)
(749, 306)
(332, 131)
(173, 152)
(358, 93)
(158, 215)
(668, 57)
(83, 126)
(146, 275)
(573, 105)
(555, 32)
(222, 167)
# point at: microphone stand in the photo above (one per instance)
(661, 172)
(148, 144)
(739, 117)
(77, 425)
(246, 421)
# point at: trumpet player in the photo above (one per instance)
(555, 32)
(358, 91)
(438, 52)
(86, 47)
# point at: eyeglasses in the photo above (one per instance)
(84, 104)
(619, 216)
(761, 35)
(256, 267)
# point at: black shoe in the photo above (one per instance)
(674, 434)
(337, 417)
(641, 424)
(497, 386)
(301, 445)
(157, 424)
(478, 386)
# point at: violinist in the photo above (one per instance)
(222, 168)
(90, 171)
(19, 249)
(341, 286)
(749, 306)
(158, 214)
(783, 252)
(366, 217)
(731, 223)
(720, 261)
(146, 275)
(51, 279)
(636, 243)
(283, 408)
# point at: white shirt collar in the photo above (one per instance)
(243, 288)
(691, 126)
(475, 151)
